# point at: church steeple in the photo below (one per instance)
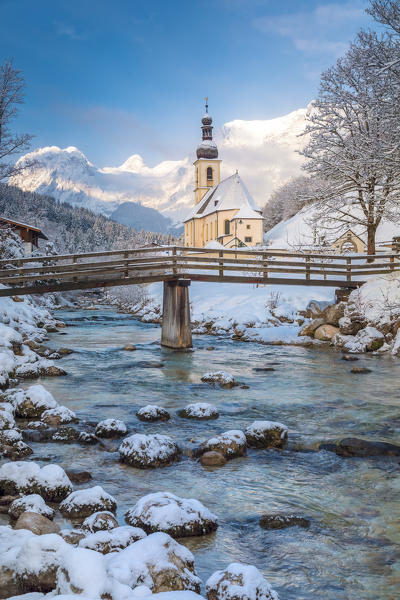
(207, 148)
(207, 165)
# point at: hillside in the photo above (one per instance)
(71, 228)
(264, 151)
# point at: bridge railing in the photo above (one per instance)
(140, 265)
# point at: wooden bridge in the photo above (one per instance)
(177, 266)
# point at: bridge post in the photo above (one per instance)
(176, 332)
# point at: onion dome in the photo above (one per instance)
(207, 148)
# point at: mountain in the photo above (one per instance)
(264, 152)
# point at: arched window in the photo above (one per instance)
(206, 232)
(227, 227)
(209, 174)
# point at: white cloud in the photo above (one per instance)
(69, 31)
(316, 31)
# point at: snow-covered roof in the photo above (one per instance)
(247, 213)
(230, 194)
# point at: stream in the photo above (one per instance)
(350, 550)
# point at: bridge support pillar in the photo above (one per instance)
(176, 332)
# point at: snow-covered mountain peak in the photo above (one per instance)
(264, 151)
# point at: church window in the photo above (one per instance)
(209, 174)
(247, 226)
(247, 239)
(227, 227)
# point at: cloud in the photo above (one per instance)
(69, 31)
(316, 31)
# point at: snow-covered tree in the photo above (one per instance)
(354, 137)
(386, 12)
(289, 198)
(11, 95)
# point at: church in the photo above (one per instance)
(224, 212)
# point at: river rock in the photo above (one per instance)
(221, 378)
(158, 562)
(37, 426)
(360, 370)
(100, 521)
(65, 434)
(79, 476)
(87, 437)
(64, 351)
(148, 451)
(129, 348)
(83, 503)
(282, 521)
(230, 444)
(36, 523)
(310, 328)
(239, 582)
(73, 536)
(33, 402)
(32, 503)
(152, 413)
(325, 333)
(349, 357)
(110, 428)
(15, 450)
(212, 459)
(266, 434)
(112, 540)
(199, 410)
(50, 481)
(53, 371)
(349, 447)
(333, 314)
(59, 416)
(179, 517)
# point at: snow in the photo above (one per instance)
(64, 414)
(99, 521)
(6, 420)
(39, 396)
(201, 410)
(25, 474)
(258, 428)
(240, 581)
(360, 341)
(138, 562)
(10, 436)
(112, 426)
(115, 539)
(149, 448)
(163, 511)
(9, 336)
(83, 571)
(88, 501)
(152, 411)
(32, 503)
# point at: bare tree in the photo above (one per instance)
(386, 12)
(354, 131)
(11, 96)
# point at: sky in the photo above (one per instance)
(120, 77)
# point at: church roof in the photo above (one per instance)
(230, 194)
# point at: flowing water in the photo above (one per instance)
(350, 550)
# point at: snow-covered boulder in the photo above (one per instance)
(59, 416)
(266, 434)
(239, 582)
(34, 402)
(37, 425)
(368, 339)
(10, 436)
(158, 562)
(28, 562)
(32, 503)
(36, 523)
(230, 444)
(110, 428)
(148, 451)
(73, 536)
(199, 410)
(16, 451)
(179, 517)
(7, 420)
(100, 521)
(83, 503)
(152, 413)
(21, 477)
(325, 333)
(112, 540)
(221, 378)
(83, 572)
